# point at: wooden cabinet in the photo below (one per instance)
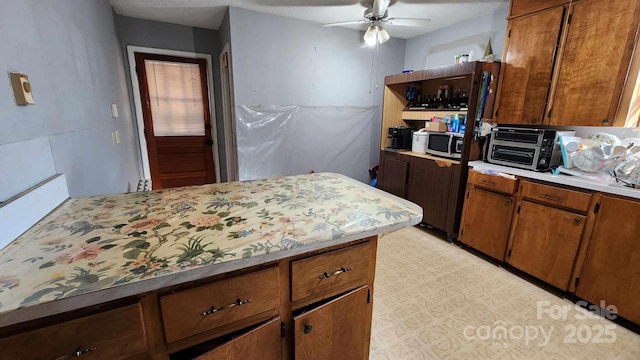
(611, 270)
(434, 183)
(580, 242)
(596, 54)
(486, 216)
(529, 53)
(429, 187)
(393, 174)
(545, 242)
(264, 313)
(114, 334)
(339, 329)
(547, 231)
(560, 59)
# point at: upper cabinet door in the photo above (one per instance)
(594, 62)
(528, 64)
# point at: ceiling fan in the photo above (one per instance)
(376, 15)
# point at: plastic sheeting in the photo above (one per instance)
(292, 140)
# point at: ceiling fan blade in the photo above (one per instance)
(408, 22)
(353, 22)
(380, 7)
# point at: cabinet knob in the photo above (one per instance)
(605, 121)
(577, 221)
(508, 202)
(308, 328)
(534, 120)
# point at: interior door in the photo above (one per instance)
(175, 107)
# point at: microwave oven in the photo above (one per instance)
(526, 148)
(445, 144)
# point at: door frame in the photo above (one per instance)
(228, 114)
(133, 74)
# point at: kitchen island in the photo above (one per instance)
(216, 269)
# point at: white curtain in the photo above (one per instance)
(175, 93)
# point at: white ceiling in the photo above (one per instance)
(209, 13)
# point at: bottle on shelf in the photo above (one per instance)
(464, 100)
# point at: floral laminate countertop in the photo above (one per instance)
(102, 242)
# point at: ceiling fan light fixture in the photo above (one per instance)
(371, 36)
(376, 33)
(383, 35)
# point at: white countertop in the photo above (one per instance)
(579, 182)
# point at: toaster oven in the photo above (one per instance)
(526, 148)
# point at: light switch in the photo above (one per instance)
(22, 89)
(114, 111)
(117, 136)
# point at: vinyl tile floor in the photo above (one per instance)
(434, 300)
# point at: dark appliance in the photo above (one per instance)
(526, 148)
(400, 137)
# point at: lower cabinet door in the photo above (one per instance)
(261, 343)
(611, 271)
(429, 185)
(486, 219)
(394, 176)
(339, 329)
(545, 242)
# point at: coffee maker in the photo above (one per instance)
(400, 137)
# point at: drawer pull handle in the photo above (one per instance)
(488, 182)
(551, 197)
(79, 352)
(213, 309)
(337, 272)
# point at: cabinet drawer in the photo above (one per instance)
(325, 275)
(115, 334)
(560, 197)
(493, 182)
(207, 307)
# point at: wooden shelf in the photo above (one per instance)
(430, 157)
(428, 114)
(442, 72)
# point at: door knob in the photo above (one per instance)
(308, 328)
(209, 142)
